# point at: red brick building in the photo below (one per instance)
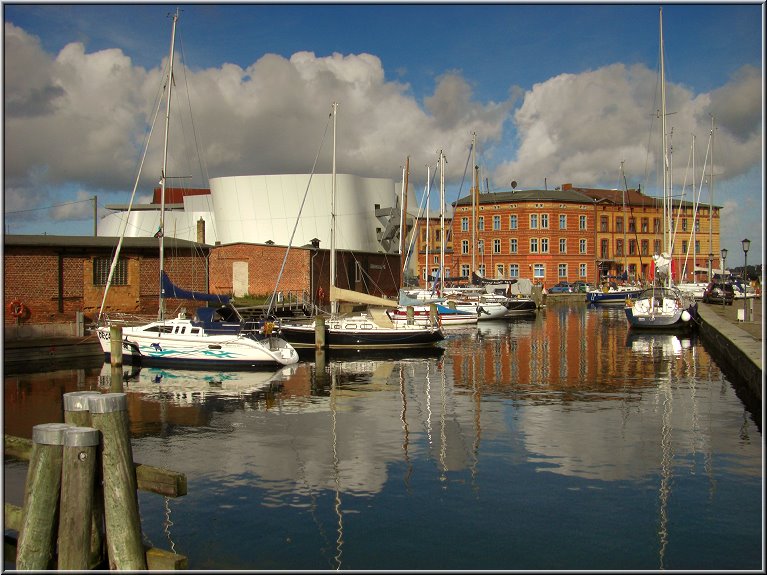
(566, 234)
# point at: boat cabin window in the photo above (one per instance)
(160, 328)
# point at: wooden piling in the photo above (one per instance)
(77, 413)
(116, 345)
(410, 312)
(433, 314)
(78, 477)
(109, 414)
(319, 333)
(41, 498)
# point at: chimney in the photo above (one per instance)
(567, 187)
(201, 231)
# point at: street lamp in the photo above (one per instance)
(746, 244)
(724, 263)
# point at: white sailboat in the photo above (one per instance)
(201, 341)
(371, 330)
(662, 306)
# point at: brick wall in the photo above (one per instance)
(263, 267)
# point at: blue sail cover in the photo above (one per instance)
(172, 291)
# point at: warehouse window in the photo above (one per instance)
(101, 272)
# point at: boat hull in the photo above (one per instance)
(340, 335)
(446, 317)
(598, 297)
(520, 306)
(220, 351)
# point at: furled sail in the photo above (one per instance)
(340, 294)
(169, 290)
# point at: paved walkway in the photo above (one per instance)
(737, 343)
(730, 313)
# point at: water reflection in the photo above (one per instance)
(543, 420)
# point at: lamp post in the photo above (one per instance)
(724, 263)
(746, 244)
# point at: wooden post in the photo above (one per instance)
(78, 476)
(116, 346)
(77, 413)
(319, 333)
(41, 497)
(109, 414)
(410, 313)
(433, 314)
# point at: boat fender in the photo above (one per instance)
(17, 309)
(268, 328)
(686, 316)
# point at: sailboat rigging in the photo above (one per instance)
(662, 306)
(371, 330)
(214, 337)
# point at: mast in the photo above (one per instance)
(442, 221)
(711, 211)
(474, 201)
(333, 301)
(161, 231)
(625, 222)
(428, 218)
(664, 154)
(403, 224)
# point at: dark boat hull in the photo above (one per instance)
(303, 337)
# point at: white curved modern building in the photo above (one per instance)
(276, 208)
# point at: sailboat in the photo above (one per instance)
(662, 306)
(213, 337)
(371, 330)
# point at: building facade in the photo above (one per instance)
(569, 234)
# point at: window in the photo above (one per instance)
(582, 222)
(656, 226)
(496, 223)
(645, 225)
(481, 269)
(632, 225)
(619, 224)
(464, 247)
(545, 221)
(656, 246)
(697, 225)
(513, 222)
(497, 246)
(582, 246)
(513, 270)
(539, 271)
(632, 248)
(684, 246)
(562, 271)
(618, 247)
(499, 268)
(464, 270)
(544, 245)
(481, 223)
(582, 269)
(513, 245)
(357, 272)
(697, 247)
(603, 224)
(464, 224)
(645, 248)
(562, 221)
(604, 251)
(562, 246)
(481, 246)
(101, 272)
(684, 224)
(435, 259)
(533, 221)
(533, 245)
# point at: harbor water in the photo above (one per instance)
(560, 442)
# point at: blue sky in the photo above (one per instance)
(555, 92)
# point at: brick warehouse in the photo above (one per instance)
(568, 234)
(57, 276)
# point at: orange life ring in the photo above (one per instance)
(17, 309)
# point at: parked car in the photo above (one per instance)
(561, 287)
(581, 286)
(719, 292)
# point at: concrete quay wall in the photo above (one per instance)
(737, 344)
